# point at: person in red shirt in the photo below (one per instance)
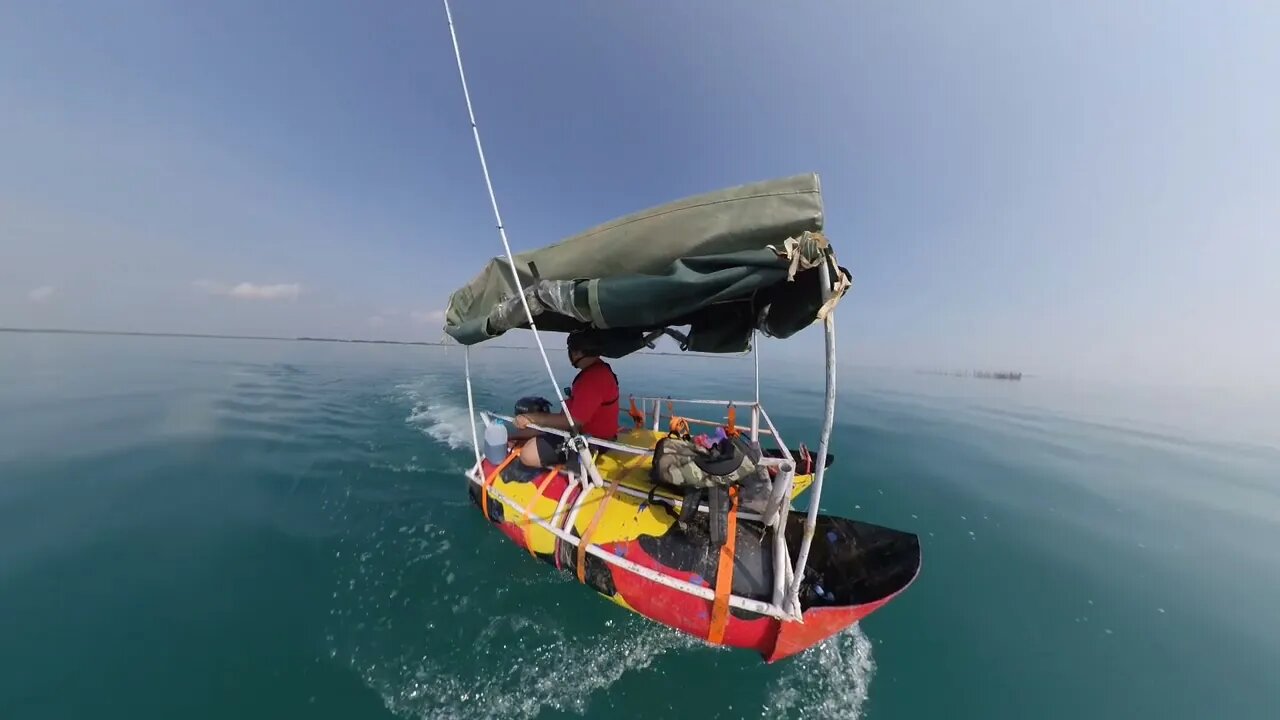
(593, 402)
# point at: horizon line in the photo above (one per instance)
(219, 336)
(304, 338)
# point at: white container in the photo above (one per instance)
(495, 442)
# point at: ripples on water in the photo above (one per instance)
(281, 530)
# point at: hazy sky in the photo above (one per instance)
(1071, 188)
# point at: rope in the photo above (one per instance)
(502, 231)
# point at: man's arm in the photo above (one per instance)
(555, 421)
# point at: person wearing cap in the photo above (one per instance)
(592, 401)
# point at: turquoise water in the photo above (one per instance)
(217, 529)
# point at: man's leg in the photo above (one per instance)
(539, 452)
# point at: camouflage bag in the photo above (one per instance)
(680, 462)
(703, 474)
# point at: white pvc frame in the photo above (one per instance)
(785, 603)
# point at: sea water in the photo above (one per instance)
(211, 529)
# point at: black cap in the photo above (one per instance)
(582, 342)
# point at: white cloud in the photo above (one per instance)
(377, 321)
(424, 317)
(42, 293)
(250, 291)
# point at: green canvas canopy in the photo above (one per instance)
(722, 264)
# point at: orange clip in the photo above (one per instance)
(637, 416)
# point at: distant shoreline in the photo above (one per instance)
(208, 336)
(983, 374)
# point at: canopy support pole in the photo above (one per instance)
(471, 405)
(828, 419)
(779, 555)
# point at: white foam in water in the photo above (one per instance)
(545, 669)
(830, 681)
(402, 619)
(444, 423)
(441, 421)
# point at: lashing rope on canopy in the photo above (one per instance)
(575, 439)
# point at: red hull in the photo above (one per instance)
(841, 560)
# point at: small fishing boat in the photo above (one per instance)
(712, 272)
(733, 564)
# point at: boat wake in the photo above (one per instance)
(443, 423)
(437, 634)
(527, 667)
(438, 419)
(830, 681)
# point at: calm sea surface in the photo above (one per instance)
(234, 529)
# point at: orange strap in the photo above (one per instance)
(528, 509)
(724, 576)
(585, 540)
(484, 490)
(637, 417)
(731, 427)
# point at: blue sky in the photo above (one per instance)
(1066, 188)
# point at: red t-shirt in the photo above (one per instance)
(593, 401)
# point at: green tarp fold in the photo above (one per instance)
(703, 262)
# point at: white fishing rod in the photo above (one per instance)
(502, 231)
